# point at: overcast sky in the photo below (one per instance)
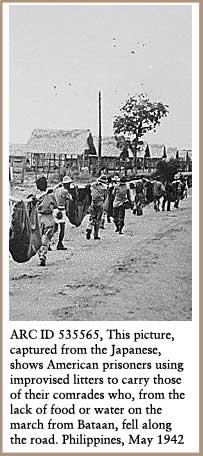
(62, 55)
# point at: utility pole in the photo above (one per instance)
(100, 137)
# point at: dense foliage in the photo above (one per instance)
(138, 116)
(166, 170)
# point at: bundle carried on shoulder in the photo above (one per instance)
(78, 207)
(24, 234)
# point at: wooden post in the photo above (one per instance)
(49, 164)
(59, 166)
(36, 166)
(100, 137)
(187, 161)
(23, 171)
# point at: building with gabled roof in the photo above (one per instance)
(54, 149)
(51, 141)
(109, 146)
(156, 151)
(183, 153)
(172, 152)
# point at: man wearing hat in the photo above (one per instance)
(114, 182)
(108, 204)
(45, 206)
(177, 188)
(98, 194)
(158, 190)
(63, 196)
(168, 195)
(121, 195)
(139, 196)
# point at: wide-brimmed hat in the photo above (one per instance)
(123, 180)
(116, 179)
(102, 179)
(67, 180)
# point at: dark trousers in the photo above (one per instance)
(168, 204)
(119, 216)
(177, 202)
(61, 232)
(156, 203)
(95, 219)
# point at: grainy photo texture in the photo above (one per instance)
(100, 162)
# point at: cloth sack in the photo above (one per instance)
(24, 234)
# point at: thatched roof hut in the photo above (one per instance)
(70, 142)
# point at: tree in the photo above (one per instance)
(166, 170)
(138, 116)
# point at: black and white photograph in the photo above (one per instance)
(100, 162)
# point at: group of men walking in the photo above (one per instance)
(110, 196)
(52, 207)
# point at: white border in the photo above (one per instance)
(100, 3)
(5, 199)
(195, 161)
(5, 160)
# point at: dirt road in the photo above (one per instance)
(146, 274)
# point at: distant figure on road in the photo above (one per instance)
(184, 189)
(168, 196)
(63, 197)
(108, 203)
(98, 194)
(121, 194)
(113, 184)
(139, 197)
(158, 189)
(45, 206)
(177, 188)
